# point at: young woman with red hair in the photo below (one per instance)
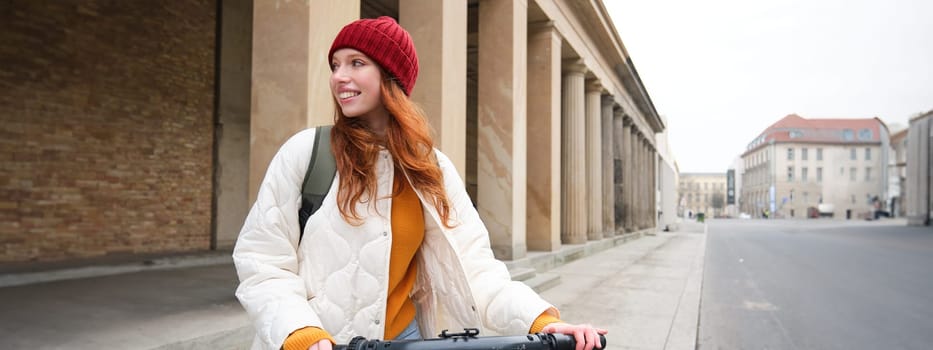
(396, 250)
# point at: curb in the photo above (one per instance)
(161, 263)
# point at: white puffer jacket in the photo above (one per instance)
(337, 278)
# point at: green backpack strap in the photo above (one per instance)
(318, 178)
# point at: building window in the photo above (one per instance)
(864, 135)
(848, 135)
(852, 175)
(853, 199)
(803, 174)
(868, 173)
(806, 198)
(842, 171)
(790, 153)
(819, 174)
(790, 174)
(867, 153)
(852, 154)
(819, 154)
(803, 153)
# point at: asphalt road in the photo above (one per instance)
(817, 284)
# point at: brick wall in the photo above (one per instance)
(106, 128)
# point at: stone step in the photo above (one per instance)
(522, 273)
(543, 281)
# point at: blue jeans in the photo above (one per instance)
(411, 332)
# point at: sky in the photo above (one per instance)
(722, 71)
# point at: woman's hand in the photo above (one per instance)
(586, 336)
(322, 345)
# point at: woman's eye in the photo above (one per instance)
(333, 67)
(357, 63)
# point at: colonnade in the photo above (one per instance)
(565, 148)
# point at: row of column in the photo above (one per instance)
(544, 156)
(546, 171)
(603, 157)
(578, 134)
(636, 180)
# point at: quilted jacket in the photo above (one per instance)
(336, 278)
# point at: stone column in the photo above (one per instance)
(594, 168)
(646, 184)
(290, 73)
(628, 172)
(649, 183)
(653, 209)
(640, 179)
(637, 179)
(232, 128)
(439, 30)
(608, 199)
(619, 138)
(501, 146)
(543, 206)
(657, 187)
(573, 171)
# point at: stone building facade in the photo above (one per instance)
(798, 167)
(918, 195)
(703, 193)
(135, 128)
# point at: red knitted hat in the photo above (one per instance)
(387, 43)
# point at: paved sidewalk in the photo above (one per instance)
(645, 291)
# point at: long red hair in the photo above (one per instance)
(408, 139)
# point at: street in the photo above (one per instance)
(816, 284)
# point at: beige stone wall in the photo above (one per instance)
(756, 181)
(106, 117)
(768, 166)
(697, 191)
(919, 182)
(837, 186)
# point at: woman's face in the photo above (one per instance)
(355, 82)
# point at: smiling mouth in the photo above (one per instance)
(347, 94)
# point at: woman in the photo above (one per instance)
(396, 250)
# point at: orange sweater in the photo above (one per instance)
(407, 235)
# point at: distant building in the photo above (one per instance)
(919, 182)
(668, 177)
(835, 166)
(898, 173)
(702, 193)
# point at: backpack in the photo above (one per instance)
(318, 178)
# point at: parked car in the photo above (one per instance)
(813, 213)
